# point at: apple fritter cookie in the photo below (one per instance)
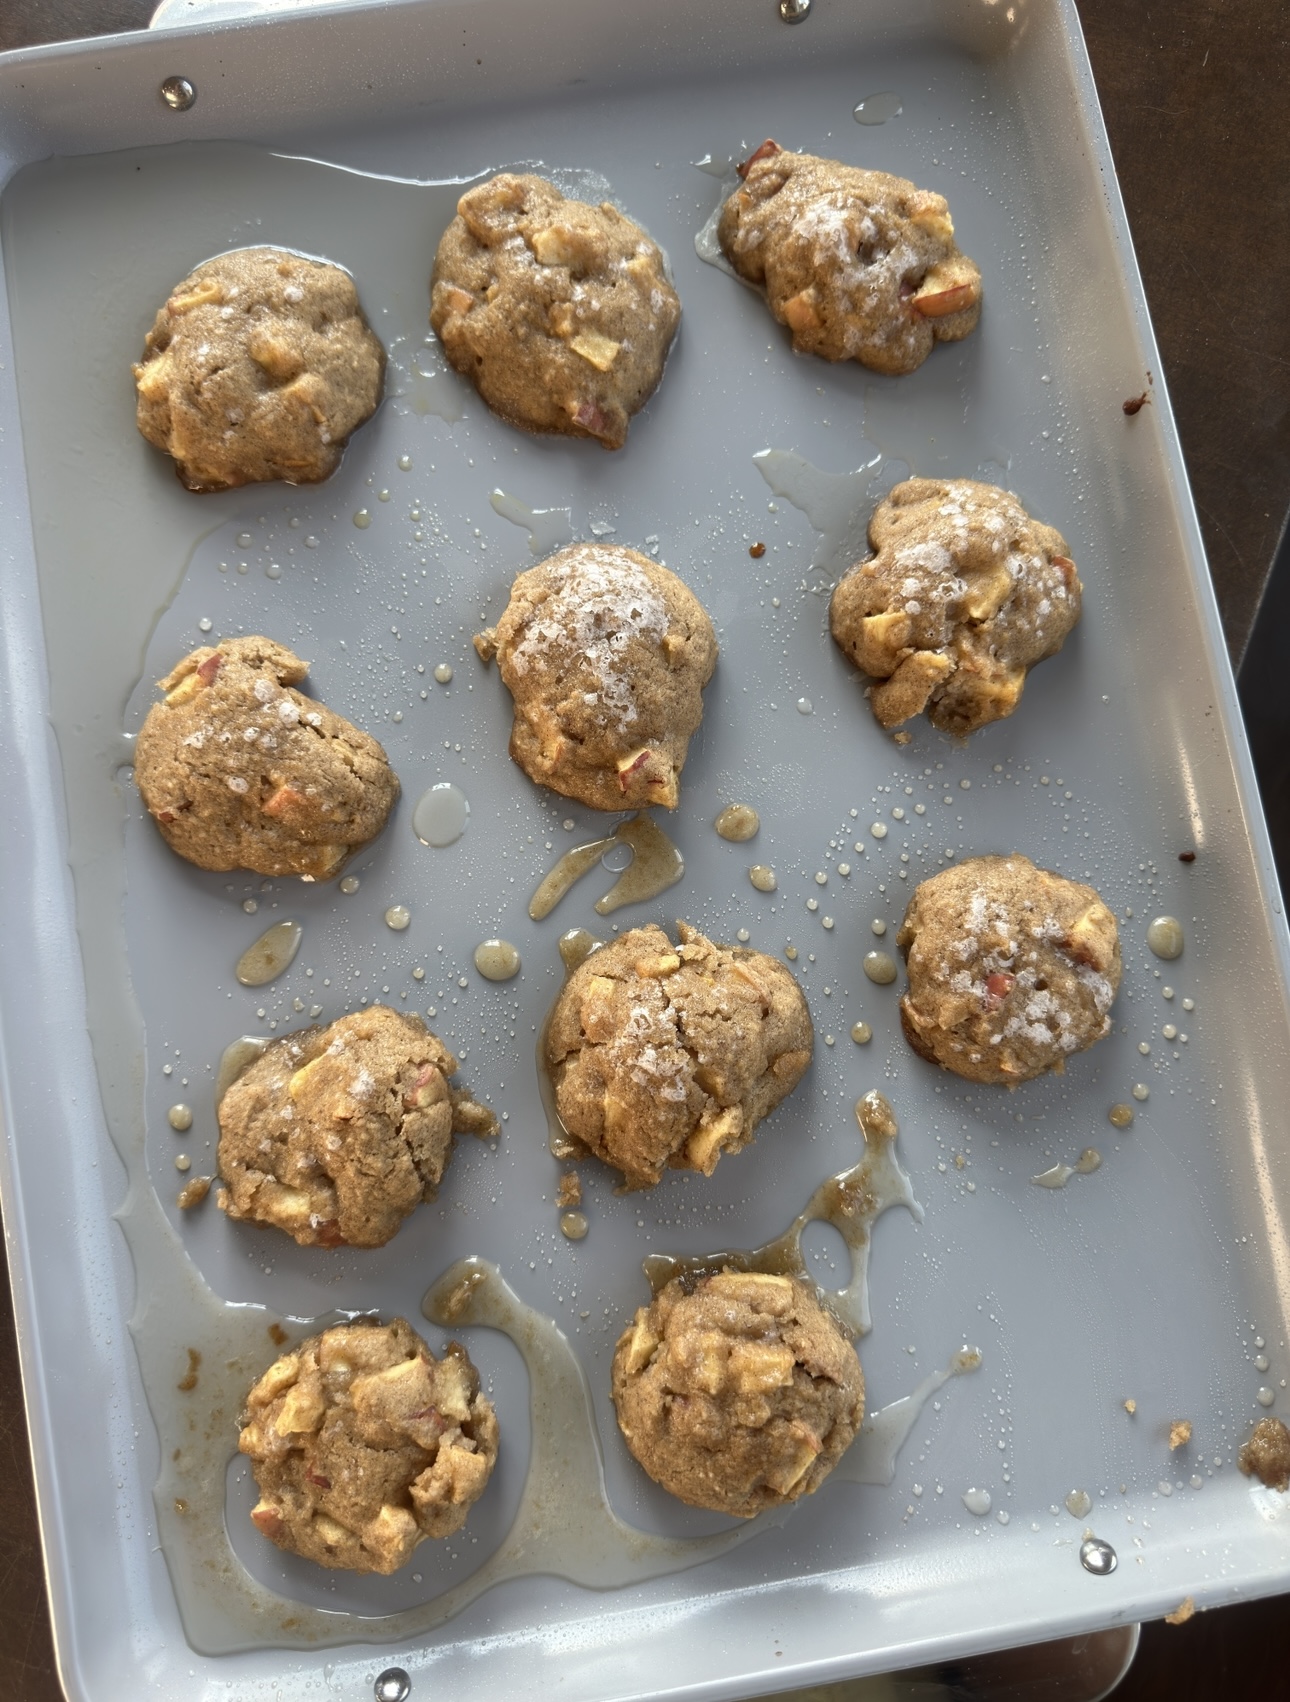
(560, 313)
(334, 1135)
(241, 771)
(606, 655)
(737, 1392)
(963, 595)
(670, 1055)
(363, 1445)
(259, 366)
(859, 265)
(1011, 969)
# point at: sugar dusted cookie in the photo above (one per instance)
(963, 594)
(1012, 969)
(670, 1055)
(859, 265)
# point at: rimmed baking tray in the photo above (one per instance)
(1162, 1278)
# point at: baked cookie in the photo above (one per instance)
(737, 1392)
(259, 366)
(963, 594)
(606, 655)
(363, 1445)
(1267, 1454)
(561, 314)
(240, 771)
(859, 265)
(671, 1055)
(1011, 969)
(336, 1134)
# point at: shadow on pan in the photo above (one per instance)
(1265, 703)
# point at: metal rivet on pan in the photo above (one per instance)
(793, 11)
(1098, 1557)
(393, 1685)
(178, 93)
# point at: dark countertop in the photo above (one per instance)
(1194, 94)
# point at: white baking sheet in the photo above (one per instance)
(1152, 1278)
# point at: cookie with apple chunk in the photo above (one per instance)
(738, 1391)
(963, 594)
(859, 265)
(240, 770)
(559, 312)
(1012, 969)
(334, 1135)
(667, 1055)
(363, 1445)
(605, 654)
(259, 365)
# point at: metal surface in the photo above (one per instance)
(1084, 1295)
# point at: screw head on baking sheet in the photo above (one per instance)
(1098, 1557)
(793, 11)
(178, 93)
(393, 1685)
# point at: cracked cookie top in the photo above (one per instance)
(963, 595)
(606, 655)
(241, 771)
(859, 265)
(363, 1445)
(738, 1391)
(1011, 969)
(334, 1135)
(670, 1055)
(560, 313)
(259, 366)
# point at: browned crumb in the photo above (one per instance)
(756, 551)
(277, 1335)
(1267, 1454)
(1130, 1406)
(1186, 856)
(1179, 1433)
(569, 1192)
(194, 1192)
(1182, 1613)
(902, 738)
(188, 1382)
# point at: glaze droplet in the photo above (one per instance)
(861, 1033)
(877, 109)
(497, 960)
(1078, 1503)
(1165, 937)
(978, 1501)
(180, 1117)
(1097, 1556)
(393, 1685)
(363, 519)
(349, 885)
(398, 916)
(266, 959)
(879, 967)
(762, 877)
(737, 822)
(440, 816)
(1120, 1116)
(443, 673)
(573, 1225)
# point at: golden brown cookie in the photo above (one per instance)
(857, 264)
(606, 655)
(665, 1054)
(336, 1134)
(240, 771)
(363, 1445)
(737, 1392)
(963, 594)
(259, 366)
(1011, 969)
(560, 313)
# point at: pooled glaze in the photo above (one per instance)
(267, 958)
